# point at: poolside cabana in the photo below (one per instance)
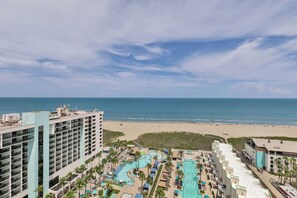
(152, 175)
(153, 171)
(146, 186)
(174, 155)
(156, 164)
(165, 151)
(138, 196)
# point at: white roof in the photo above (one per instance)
(276, 145)
(246, 178)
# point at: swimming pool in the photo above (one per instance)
(190, 181)
(143, 161)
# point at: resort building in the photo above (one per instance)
(41, 147)
(266, 153)
(234, 179)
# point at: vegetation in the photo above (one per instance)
(178, 140)
(238, 143)
(155, 182)
(109, 136)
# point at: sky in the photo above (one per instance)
(139, 48)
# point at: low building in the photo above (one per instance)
(267, 153)
(234, 178)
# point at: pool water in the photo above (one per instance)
(143, 161)
(190, 181)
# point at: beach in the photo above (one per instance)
(133, 129)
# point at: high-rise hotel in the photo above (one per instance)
(38, 148)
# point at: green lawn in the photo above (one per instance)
(238, 143)
(109, 136)
(178, 140)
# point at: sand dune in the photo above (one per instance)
(133, 129)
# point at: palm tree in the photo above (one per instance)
(160, 193)
(199, 166)
(181, 154)
(141, 177)
(39, 189)
(137, 157)
(180, 174)
(148, 166)
(109, 189)
(99, 155)
(80, 184)
(63, 182)
(279, 166)
(69, 194)
(49, 195)
(98, 169)
(114, 161)
(91, 175)
(155, 158)
(69, 178)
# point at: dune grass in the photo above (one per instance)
(178, 140)
(238, 143)
(109, 136)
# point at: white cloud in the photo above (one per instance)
(75, 32)
(248, 62)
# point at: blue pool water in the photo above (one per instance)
(143, 161)
(190, 181)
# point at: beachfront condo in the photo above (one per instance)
(233, 177)
(267, 153)
(38, 148)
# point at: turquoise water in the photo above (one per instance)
(257, 111)
(190, 181)
(143, 161)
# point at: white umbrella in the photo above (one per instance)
(110, 173)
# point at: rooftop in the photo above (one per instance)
(276, 145)
(245, 176)
(61, 113)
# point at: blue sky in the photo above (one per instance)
(133, 48)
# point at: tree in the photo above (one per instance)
(69, 178)
(114, 161)
(155, 158)
(63, 182)
(199, 166)
(49, 195)
(181, 154)
(141, 177)
(148, 166)
(137, 157)
(279, 166)
(80, 184)
(98, 169)
(109, 189)
(99, 155)
(39, 189)
(69, 194)
(160, 193)
(180, 175)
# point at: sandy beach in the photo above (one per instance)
(133, 129)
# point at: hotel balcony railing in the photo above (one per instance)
(4, 177)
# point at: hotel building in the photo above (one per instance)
(235, 180)
(264, 152)
(41, 147)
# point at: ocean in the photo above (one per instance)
(241, 111)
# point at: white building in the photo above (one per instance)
(264, 152)
(236, 180)
(45, 147)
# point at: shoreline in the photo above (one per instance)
(132, 129)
